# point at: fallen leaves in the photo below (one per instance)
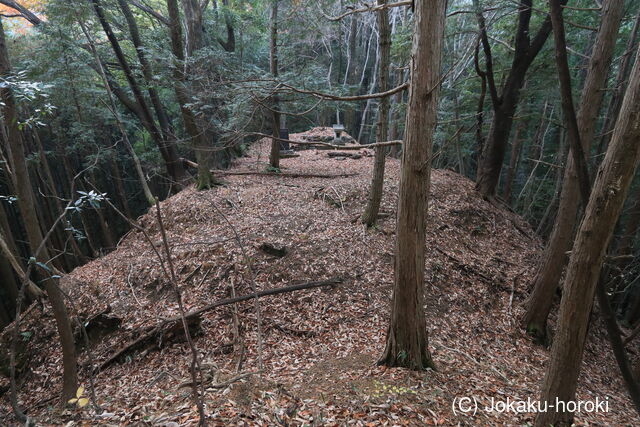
(320, 346)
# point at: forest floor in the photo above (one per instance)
(318, 347)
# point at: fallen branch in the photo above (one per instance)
(348, 147)
(473, 359)
(223, 384)
(191, 164)
(165, 331)
(290, 174)
(158, 330)
(466, 267)
(326, 144)
(344, 155)
(285, 289)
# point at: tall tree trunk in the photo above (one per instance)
(554, 258)
(174, 164)
(561, 155)
(57, 200)
(26, 204)
(91, 246)
(198, 139)
(407, 339)
(107, 235)
(194, 26)
(618, 88)
(350, 77)
(516, 147)
(119, 181)
(505, 104)
(377, 180)
(151, 200)
(274, 156)
(44, 211)
(456, 110)
(394, 132)
(170, 157)
(228, 45)
(604, 207)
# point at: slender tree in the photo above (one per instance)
(168, 151)
(377, 180)
(615, 100)
(407, 339)
(274, 156)
(605, 204)
(554, 258)
(174, 164)
(198, 137)
(26, 203)
(504, 104)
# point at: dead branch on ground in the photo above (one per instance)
(152, 332)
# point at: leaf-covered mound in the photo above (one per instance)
(318, 347)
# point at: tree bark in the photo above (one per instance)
(377, 180)
(554, 258)
(58, 204)
(505, 104)
(512, 171)
(230, 44)
(26, 204)
(119, 182)
(198, 140)
(407, 339)
(274, 156)
(604, 207)
(170, 157)
(174, 165)
(151, 200)
(618, 88)
(394, 132)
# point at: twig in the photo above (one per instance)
(252, 281)
(222, 384)
(195, 362)
(339, 198)
(468, 356)
(230, 381)
(131, 286)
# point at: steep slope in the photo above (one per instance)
(318, 347)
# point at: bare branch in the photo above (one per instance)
(322, 95)
(486, 49)
(24, 12)
(150, 11)
(587, 9)
(370, 8)
(326, 144)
